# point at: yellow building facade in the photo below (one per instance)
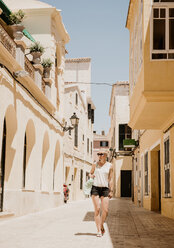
(151, 27)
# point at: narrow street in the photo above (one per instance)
(72, 226)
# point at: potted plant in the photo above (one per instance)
(15, 20)
(36, 51)
(47, 64)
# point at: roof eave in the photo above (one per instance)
(128, 14)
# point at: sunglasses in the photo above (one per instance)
(100, 154)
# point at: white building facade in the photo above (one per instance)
(100, 142)
(119, 130)
(78, 142)
(31, 113)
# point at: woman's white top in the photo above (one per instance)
(101, 175)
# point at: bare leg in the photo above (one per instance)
(104, 204)
(96, 202)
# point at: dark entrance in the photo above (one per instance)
(159, 180)
(126, 183)
(2, 167)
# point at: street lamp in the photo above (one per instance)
(74, 122)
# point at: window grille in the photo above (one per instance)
(163, 30)
(167, 167)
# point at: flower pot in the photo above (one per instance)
(17, 31)
(36, 57)
(47, 72)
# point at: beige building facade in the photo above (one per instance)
(78, 147)
(32, 112)
(150, 24)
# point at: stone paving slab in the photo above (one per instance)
(72, 226)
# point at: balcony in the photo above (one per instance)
(7, 42)
(13, 60)
(152, 101)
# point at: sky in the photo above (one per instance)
(97, 30)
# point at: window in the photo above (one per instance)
(83, 137)
(167, 167)
(125, 132)
(89, 111)
(163, 1)
(92, 116)
(76, 136)
(104, 143)
(163, 31)
(81, 179)
(76, 99)
(24, 162)
(146, 174)
(87, 145)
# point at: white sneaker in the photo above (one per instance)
(99, 234)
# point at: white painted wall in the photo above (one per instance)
(23, 113)
(77, 158)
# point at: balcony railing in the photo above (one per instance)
(7, 41)
(29, 68)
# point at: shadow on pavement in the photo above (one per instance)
(85, 234)
(132, 226)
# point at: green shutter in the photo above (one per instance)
(5, 17)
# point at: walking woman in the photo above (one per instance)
(102, 189)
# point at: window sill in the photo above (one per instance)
(167, 196)
(56, 193)
(45, 192)
(28, 190)
(146, 195)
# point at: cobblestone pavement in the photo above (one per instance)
(72, 226)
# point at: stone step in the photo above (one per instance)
(5, 214)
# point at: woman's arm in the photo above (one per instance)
(111, 184)
(91, 174)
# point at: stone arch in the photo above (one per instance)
(29, 142)
(11, 128)
(45, 147)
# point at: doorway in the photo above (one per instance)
(126, 176)
(155, 179)
(159, 180)
(2, 167)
